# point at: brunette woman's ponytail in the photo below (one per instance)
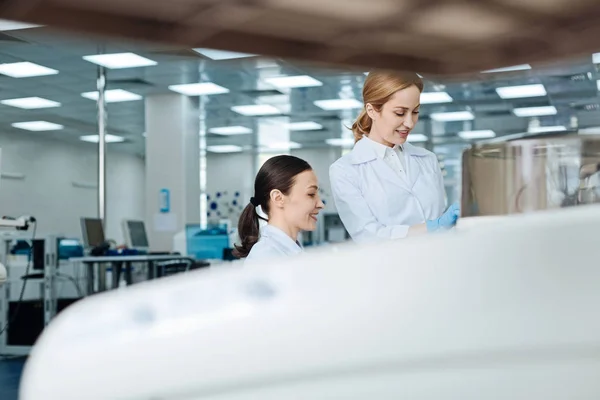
(248, 231)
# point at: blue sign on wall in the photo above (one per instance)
(164, 201)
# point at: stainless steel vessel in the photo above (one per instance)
(523, 175)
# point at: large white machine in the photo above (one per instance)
(503, 310)
(21, 223)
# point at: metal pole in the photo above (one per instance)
(202, 151)
(101, 83)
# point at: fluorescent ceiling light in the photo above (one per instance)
(263, 63)
(293, 81)
(338, 104)
(108, 138)
(222, 54)
(283, 145)
(517, 92)
(435, 98)
(256, 109)
(7, 25)
(304, 126)
(480, 134)
(521, 67)
(30, 103)
(230, 130)
(594, 130)
(541, 129)
(598, 84)
(416, 137)
(25, 69)
(274, 99)
(596, 58)
(120, 60)
(343, 142)
(199, 89)
(113, 96)
(453, 116)
(534, 111)
(37, 126)
(224, 148)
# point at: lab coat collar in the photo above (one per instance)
(364, 151)
(380, 149)
(281, 237)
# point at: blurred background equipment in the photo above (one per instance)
(530, 174)
(499, 317)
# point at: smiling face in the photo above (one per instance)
(393, 122)
(302, 204)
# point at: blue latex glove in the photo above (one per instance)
(446, 221)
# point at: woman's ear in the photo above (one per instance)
(371, 112)
(276, 198)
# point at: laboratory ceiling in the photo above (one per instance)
(526, 98)
(433, 36)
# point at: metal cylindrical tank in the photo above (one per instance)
(530, 174)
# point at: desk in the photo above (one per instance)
(117, 263)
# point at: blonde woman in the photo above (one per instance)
(386, 188)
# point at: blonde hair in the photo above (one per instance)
(379, 87)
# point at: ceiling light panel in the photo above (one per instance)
(283, 146)
(338, 104)
(25, 70)
(120, 60)
(542, 129)
(521, 67)
(253, 110)
(225, 148)
(8, 25)
(37, 126)
(416, 138)
(30, 103)
(108, 138)
(199, 89)
(113, 96)
(522, 91)
(593, 130)
(222, 54)
(230, 130)
(479, 134)
(343, 142)
(290, 82)
(435, 98)
(535, 111)
(453, 116)
(304, 126)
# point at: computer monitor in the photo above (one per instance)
(92, 231)
(135, 235)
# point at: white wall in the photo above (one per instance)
(229, 173)
(47, 191)
(172, 163)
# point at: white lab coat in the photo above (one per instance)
(374, 202)
(273, 242)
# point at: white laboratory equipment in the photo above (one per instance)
(505, 310)
(3, 274)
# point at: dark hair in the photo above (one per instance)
(279, 173)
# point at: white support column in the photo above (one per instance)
(172, 167)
